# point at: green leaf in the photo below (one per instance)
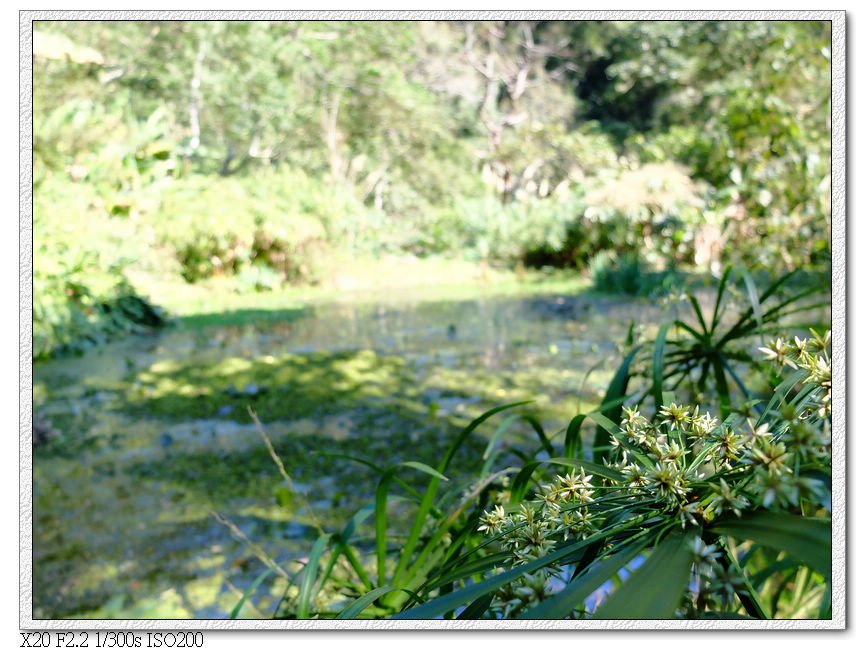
(428, 499)
(617, 390)
(342, 547)
(573, 439)
(498, 433)
(310, 572)
(563, 603)
(716, 314)
(477, 607)
(655, 589)
(356, 607)
(721, 385)
(755, 300)
(536, 425)
(807, 540)
(451, 601)
(658, 365)
(381, 509)
(699, 313)
(249, 591)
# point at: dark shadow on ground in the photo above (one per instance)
(244, 317)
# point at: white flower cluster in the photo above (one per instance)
(812, 355)
(560, 511)
(686, 465)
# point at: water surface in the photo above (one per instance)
(143, 440)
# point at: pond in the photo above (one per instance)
(155, 495)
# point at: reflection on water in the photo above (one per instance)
(144, 438)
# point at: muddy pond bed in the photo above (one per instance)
(146, 447)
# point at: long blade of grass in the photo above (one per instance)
(716, 315)
(354, 609)
(747, 315)
(736, 379)
(310, 572)
(617, 389)
(745, 591)
(576, 591)
(787, 311)
(356, 520)
(381, 509)
(695, 305)
(658, 365)
(474, 424)
(777, 284)
(690, 330)
(476, 608)
(354, 561)
(807, 540)
(468, 569)
(595, 366)
(498, 433)
(751, 290)
(536, 425)
(454, 554)
(378, 469)
(725, 616)
(655, 589)
(488, 464)
(428, 499)
(826, 604)
(432, 547)
(593, 552)
(249, 591)
(747, 321)
(573, 439)
(782, 391)
(773, 569)
(721, 386)
(342, 547)
(451, 601)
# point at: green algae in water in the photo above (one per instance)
(154, 434)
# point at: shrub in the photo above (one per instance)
(83, 306)
(485, 228)
(225, 226)
(629, 274)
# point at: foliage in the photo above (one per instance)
(236, 156)
(73, 313)
(678, 515)
(629, 274)
(250, 149)
(683, 470)
(701, 354)
(753, 133)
